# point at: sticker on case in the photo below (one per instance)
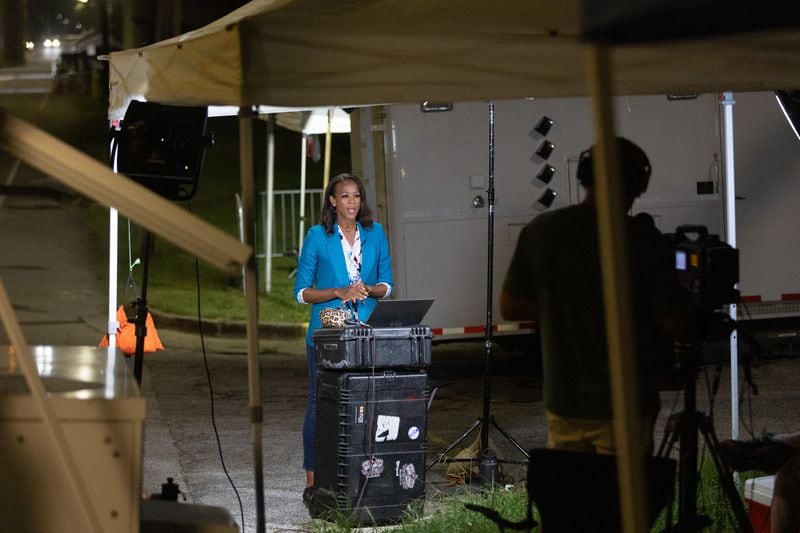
(408, 476)
(387, 428)
(372, 467)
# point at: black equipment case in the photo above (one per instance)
(359, 347)
(370, 444)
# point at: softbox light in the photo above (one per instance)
(163, 147)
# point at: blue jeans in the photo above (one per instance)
(310, 422)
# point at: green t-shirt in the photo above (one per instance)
(556, 264)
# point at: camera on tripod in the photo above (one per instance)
(708, 269)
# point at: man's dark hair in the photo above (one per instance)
(633, 164)
(328, 216)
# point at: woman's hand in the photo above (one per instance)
(353, 293)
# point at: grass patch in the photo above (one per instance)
(711, 500)
(446, 513)
(451, 515)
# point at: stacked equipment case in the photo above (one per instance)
(371, 421)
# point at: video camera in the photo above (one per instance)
(708, 269)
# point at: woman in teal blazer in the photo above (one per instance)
(345, 260)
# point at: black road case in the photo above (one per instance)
(370, 444)
(358, 347)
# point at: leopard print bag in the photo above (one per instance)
(334, 317)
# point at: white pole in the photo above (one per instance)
(113, 251)
(269, 214)
(303, 158)
(113, 232)
(730, 236)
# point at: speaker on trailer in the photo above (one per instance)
(163, 147)
(370, 444)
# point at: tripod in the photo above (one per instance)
(684, 427)
(488, 467)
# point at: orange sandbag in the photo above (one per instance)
(126, 335)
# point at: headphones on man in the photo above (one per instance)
(633, 164)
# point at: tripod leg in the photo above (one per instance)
(455, 443)
(725, 477)
(508, 437)
(670, 435)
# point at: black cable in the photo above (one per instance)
(368, 441)
(210, 387)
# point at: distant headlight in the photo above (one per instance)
(52, 43)
(29, 45)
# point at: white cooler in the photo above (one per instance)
(758, 494)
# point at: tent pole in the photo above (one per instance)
(247, 177)
(301, 233)
(269, 215)
(617, 297)
(730, 236)
(326, 172)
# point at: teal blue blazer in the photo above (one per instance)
(322, 266)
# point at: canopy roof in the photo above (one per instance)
(344, 52)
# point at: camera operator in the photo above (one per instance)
(554, 278)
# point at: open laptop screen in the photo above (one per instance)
(399, 313)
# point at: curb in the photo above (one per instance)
(228, 328)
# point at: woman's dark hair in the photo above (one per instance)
(328, 216)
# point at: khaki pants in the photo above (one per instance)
(588, 435)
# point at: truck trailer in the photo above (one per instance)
(426, 169)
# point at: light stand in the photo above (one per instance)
(488, 465)
(141, 310)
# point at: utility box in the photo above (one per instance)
(370, 444)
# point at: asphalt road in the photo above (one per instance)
(60, 299)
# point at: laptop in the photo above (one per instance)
(399, 313)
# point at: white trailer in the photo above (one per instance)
(767, 164)
(427, 173)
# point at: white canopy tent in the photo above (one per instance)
(336, 52)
